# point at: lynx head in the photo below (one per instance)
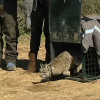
(45, 71)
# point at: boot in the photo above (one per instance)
(32, 63)
(47, 58)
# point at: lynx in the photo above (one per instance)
(60, 65)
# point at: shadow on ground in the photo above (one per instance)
(55, 78)
(22, 63)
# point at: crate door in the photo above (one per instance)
(64, 17)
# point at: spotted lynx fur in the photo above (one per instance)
(60, 65)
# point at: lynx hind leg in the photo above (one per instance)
(79, 68)
(66, 72)
(64, 54)
(75, 69)
(72, 68)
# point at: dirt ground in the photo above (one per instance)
(18, 86)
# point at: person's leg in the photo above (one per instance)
(36, 25)
(46, 31)
(11, 34)
(1, 41)
(37, 21)
(47, 40)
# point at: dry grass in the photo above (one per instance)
(90, 7)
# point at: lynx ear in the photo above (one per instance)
(41, 65)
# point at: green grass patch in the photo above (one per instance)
(25, 38)
(90, 95)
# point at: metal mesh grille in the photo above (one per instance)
(91, 67)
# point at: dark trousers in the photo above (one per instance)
(37, 18)
(9, 27)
